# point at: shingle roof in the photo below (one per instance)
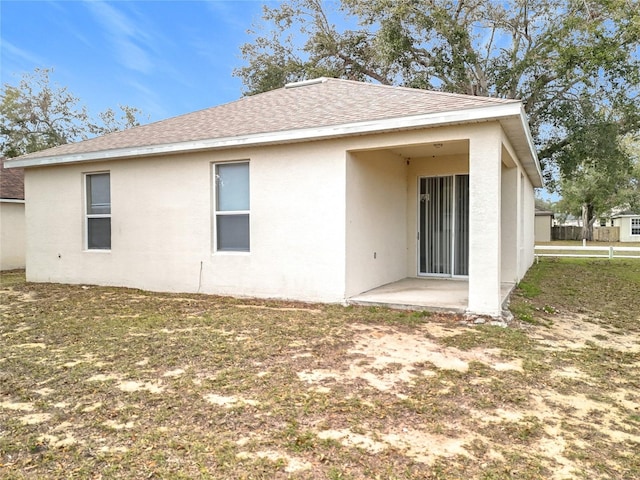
(11, 182)
(320, 103)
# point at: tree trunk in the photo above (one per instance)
(588, 219)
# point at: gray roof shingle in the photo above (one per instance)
(321, 103)
(11, 182)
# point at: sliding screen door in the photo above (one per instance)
(444, 225)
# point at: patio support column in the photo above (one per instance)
(485, 166)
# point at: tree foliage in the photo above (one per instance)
(35, 115)
(593, 192)
(544, 204)
(551, 54)
(598, 166)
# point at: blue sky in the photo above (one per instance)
(164, 57)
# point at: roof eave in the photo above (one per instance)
(535, 162)
(493, 112)
(626, 215)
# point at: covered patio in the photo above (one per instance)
(434, 294)
(440, 219)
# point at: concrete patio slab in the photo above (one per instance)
(435, 294)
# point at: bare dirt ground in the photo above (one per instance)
(116, 383)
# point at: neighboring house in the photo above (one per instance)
(317, 191)
(629, 224)
(543, 224)
(12, 222)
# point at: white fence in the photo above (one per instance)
(584, 251)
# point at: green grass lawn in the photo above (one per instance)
(118, 383)
(606, 291)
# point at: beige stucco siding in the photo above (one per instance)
(517, 216)
(528, 221)
(329, 219)
(12, 235)
(517, 222)
(162, 227)
(376, 247)
(510, 233)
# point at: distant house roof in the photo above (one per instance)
(620, 211)
(11, 182)
(544, 213)
(313, 109)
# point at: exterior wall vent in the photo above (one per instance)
(304, 83)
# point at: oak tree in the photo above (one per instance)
(36, 114)
(551, 54)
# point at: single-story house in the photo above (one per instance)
(543, 224)
(12, 222)
(318, 191)
(629, 224)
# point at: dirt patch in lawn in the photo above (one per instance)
(547, 420)
(579, 331)
(384, 357)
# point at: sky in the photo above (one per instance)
(164, 57)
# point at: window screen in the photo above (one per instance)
(98, 217)
(232, 207)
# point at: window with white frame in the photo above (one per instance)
(635, 226)
(98, 211)
(231, 207)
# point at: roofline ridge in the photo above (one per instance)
(425, 90)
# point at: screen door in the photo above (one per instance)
(443, 227)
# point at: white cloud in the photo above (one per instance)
(131, 43)
(148, 101)
(20, 55)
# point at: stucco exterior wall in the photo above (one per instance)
(528, 224)
(319, 212)
(12, 235)
(517, 222)
(509, 226)
(376, 249)
(162, 227)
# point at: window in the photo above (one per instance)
(635, 226)
(603, 222)
(231, 223)
(98, 195)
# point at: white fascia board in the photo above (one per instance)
(10, 200)
(494, 112)
(532, 147)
